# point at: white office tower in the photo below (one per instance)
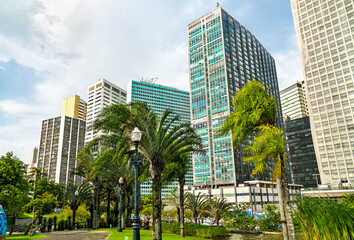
(100, 95)
(293, 102)
(325, 32)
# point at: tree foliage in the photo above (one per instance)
(14, 187)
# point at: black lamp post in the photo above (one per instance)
(74, 210)
(121, 181)
(136, 137)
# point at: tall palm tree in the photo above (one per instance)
(196, 203)
(217, 208)
(255, 116)
(178, 169)
(87, 161)
(163, 140)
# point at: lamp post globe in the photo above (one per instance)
(121, 181)
(136, 137)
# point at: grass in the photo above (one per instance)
(144, 235)
(25, 215)
(22, 237)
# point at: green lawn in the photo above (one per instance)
(144, 235)
(25, 215)
(22, 237)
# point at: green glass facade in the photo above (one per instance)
(161, 98)
(223, 56)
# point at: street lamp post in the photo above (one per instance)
(121, 181)
(136, 137)
(74, 210)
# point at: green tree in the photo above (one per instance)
(163, 139)
(196, 203)
(14, 187)
(255, 116)
(87, 161)
(41, 205)
(217, 208)
(178, 169)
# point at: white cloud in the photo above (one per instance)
(71, 43)
(288, 64)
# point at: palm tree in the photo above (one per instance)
(178, 170)
(163, 140)
(255, 116)
(84, 192)
(86, 165)
(217, 208)
(196, 203)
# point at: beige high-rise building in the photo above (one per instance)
(74, 107)
(325, 32)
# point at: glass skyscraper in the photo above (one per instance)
(325, 32)
(223, 56)
(161, 98)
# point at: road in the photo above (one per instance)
(77, 235)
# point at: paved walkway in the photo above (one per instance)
(78, 235)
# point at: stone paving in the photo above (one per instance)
(77, 235)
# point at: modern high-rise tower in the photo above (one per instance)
(223, 56)
(293, 101)
(161, 98)
(61, 139)
(74, 107)
(100, 95)
(325, 32)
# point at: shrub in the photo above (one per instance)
(240, 218)
(61, 225)
(196, 230)
(271, 219)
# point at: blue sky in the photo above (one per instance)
(50, 50)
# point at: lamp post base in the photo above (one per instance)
(136, 231)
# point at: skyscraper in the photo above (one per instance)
(161, 98)
(301, 154)
(33, 160)
(325, 31)
(74, 107)
(293, 101)
(223, 56)
(100, 95)
(61, 139)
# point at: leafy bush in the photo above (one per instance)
(240, 219)
(271, 219)
(82, 214)
(196, 230)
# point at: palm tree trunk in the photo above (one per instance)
(156, 206)
(129, 210)
(281, 209)
(181, 205)
(115, 210)
(108, 207)
(287, 203)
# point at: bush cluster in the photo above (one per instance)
(196, 230)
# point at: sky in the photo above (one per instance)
(50, 50)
